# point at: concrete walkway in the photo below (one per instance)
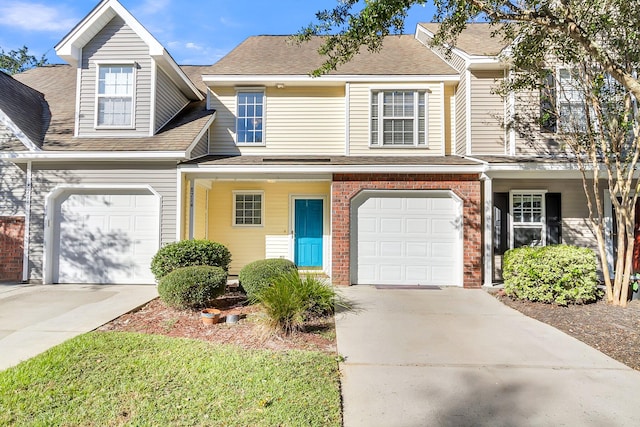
(455, 357)
(34, 318)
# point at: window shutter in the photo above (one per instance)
(548, 122)
(554, 218)
(500, 223)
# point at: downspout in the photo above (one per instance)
(487, 255)
(27, 222)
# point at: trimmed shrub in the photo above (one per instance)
(291, 300)
(187, 253)
(192, 287)
(560, 274)
(260, 274)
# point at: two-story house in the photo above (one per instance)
(395, 169)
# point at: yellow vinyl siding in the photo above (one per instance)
(449, 110)
(200, 212)
(359, 116)
(298, 121)
(247, 244)
(487, 114)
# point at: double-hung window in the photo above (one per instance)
(248, 208)
(398, 118)
(528, 218)
(115, 96)
(250, 117)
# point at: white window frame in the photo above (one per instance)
(379, 93)
(240, 90)
(561, 100)
(244, 193)
(100, 64)
(543, 218)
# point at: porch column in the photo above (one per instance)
(488, 230)
(192, 193)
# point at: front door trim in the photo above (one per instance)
(326, 241)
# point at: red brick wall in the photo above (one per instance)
(467, 187)
(11, 248)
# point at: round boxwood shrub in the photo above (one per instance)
(560, 274)
(260, 274)
(192, 287)
(188, 253)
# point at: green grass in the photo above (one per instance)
(116, 378)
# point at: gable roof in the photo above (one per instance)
(58, 84)
(475, 39)
(70, 47)
(24, 111)
(279, 55)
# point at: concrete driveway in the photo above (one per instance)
(456, 357)
(34, 318)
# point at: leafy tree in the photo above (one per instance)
(17, 61)
(601, 41)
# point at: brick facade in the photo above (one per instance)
(346, 186)
(11, 248)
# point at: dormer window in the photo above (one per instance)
(115, 98)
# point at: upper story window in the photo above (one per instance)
(115, 96)
(250, 117)
(398, 118)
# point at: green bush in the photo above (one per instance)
(292, 300)
(260, 274)
(560, 274)
(192, 287)
(187, 253)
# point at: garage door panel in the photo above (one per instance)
(415, 240)
(106, 238)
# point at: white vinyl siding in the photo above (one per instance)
(116, 43)
(169, 99)
(298, 121)
(202, 146)
(161, 177)
(12, 194)
(487, 114)
(360, 120)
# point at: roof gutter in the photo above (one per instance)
(57, 156)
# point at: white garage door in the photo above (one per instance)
(106, 237)
(409, 240)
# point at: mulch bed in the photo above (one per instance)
(615, 331)
(250, 332)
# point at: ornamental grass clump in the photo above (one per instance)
(192, 287)
(293, 300)
(559, 274)
(260, 274)
(187, 253)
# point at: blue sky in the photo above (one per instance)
(195, 32)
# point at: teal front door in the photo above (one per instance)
(308, 232)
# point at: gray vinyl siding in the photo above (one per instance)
(169, 99)
(575, 213)
(115, 44)
(160, 176)
(460, 137)
(487, 114)
(202, 147)
(12, 194)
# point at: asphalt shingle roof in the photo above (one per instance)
(25, 107)
(476, 39)
(58, 84)
(279, 55)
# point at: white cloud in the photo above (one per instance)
(193, 46)
(36, 16)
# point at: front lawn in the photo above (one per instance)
(116, 378)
